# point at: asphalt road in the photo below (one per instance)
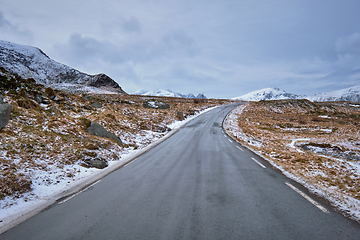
(198, 184)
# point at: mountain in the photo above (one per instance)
(168, 93)
(32, 62)
(268, 94)
(351, 94)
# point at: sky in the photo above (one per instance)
(222, 48)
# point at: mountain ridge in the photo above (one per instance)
(168, 93)
(351, 94)
(31, 62)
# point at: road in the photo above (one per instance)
(198, 184)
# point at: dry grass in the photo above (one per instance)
(40, 137)
(280, 127)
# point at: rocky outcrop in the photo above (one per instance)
(98, 130)
(102, 80)
(5, 111)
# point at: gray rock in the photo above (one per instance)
(98, 130)
(96, 162)
(1, 99)
(38, 98)
(155, 104)
(5, 111)
(96, 105)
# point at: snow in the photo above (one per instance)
(165, 93)
(349, 94)
(267, 94)
(48, 186)
(342, 201)
(31, 62)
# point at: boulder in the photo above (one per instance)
(96, 105)
(97, 162)
(5, 111)
(155, 104)
(38, 98)
(98, 130)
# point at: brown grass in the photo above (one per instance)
(332, 125)
(38, 137)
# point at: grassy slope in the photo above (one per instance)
(279, 130)
(49, 139)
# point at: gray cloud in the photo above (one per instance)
(131, 25)
(226, 47)
(349, 45)
(12, 31)
(4, 24)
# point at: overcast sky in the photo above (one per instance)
(222, 48)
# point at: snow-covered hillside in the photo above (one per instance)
(351, 94)
(168, 93)
(268, 94)
(31, 62)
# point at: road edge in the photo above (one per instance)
(79, 185)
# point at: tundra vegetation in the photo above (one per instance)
(46, 142)
(318, 143)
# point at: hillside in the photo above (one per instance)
(31, 62)
(52, 137)
(317, 144)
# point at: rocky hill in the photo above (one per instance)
(31, 62)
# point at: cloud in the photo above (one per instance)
(349, 45)
(83, 50)
(10, 31)
(131, 25)
(4, 23)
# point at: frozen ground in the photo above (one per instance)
(47, 184)
(334, 178)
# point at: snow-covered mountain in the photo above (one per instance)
(351, 94)
(268, 94)
(31, 62)
(168, 93)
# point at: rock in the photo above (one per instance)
(96, 105)
(155, 104)
(38, 98)
(161, 129)
(304, 147)
(97, 162)
(98, 130)
(5, 111)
